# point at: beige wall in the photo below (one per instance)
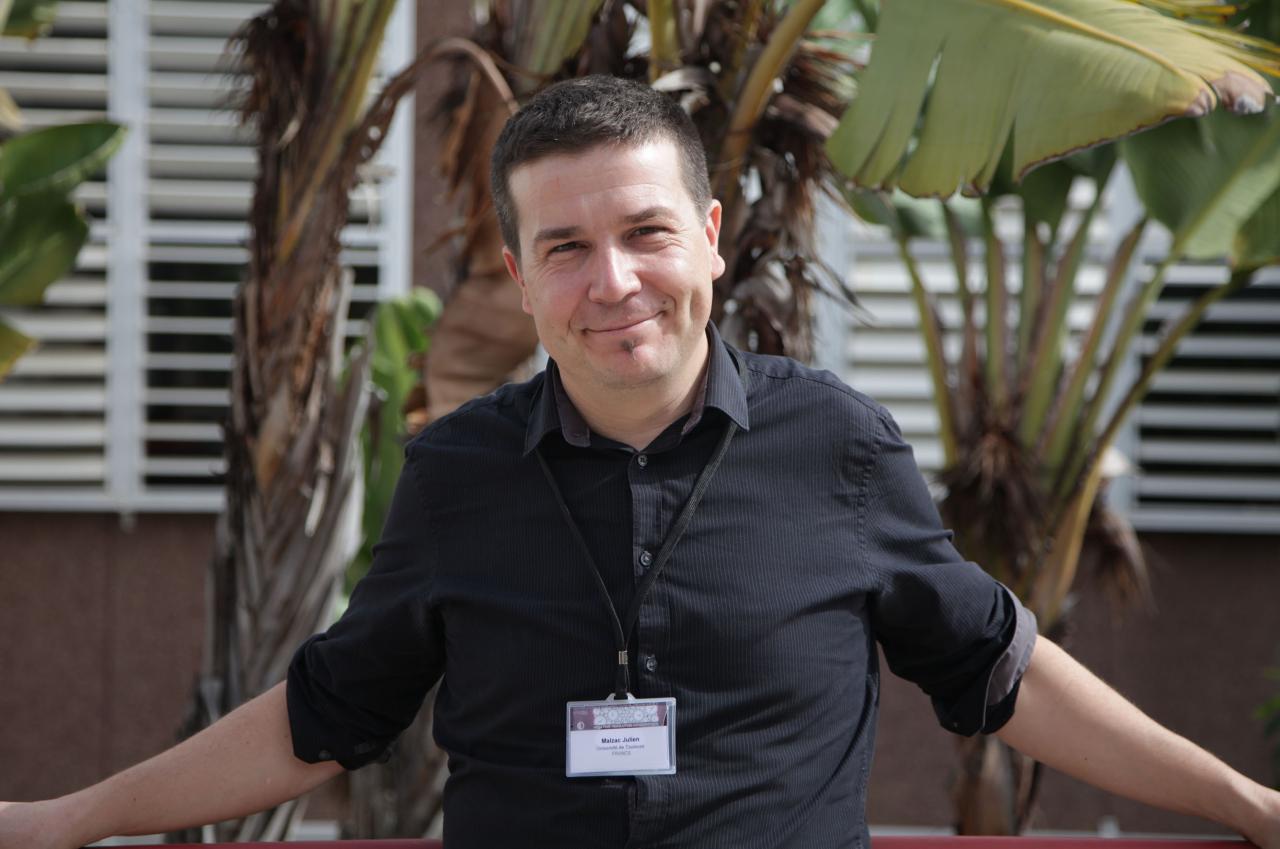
(100, 632)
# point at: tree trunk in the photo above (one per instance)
(994, 789)
(403, 797)
(291, 523)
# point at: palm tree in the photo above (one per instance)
(291, 523)
(1026, 430)
(1024, 465)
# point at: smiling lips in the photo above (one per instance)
(627, 325)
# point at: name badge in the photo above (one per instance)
(614, 737)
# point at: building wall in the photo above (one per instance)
(1195, 665)
(100, 640)
(101, 630)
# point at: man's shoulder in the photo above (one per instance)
(495, 421)
(806, 385)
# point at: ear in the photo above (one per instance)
(513, 268)
(712, 228)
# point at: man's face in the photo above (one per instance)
(615, 264)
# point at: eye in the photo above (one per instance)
(648, 230)
(564, 247)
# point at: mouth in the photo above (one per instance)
(620, 327)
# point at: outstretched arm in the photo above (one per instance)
(1070, 720)
(241, 764)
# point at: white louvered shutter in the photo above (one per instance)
(53, 405)
(119, 409)
(1208, 434)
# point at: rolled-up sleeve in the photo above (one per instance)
(354, 688)
(943, 622)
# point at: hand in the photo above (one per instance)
(33, 825)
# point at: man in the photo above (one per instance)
(651, 577)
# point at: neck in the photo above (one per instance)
(636, 415)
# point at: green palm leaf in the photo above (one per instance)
(39, 245)
(1204, 179)
(1258, 242)
(56, 159)
(1054, 75)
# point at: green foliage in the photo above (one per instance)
(400, 335)
(57, 159)
(41, 228)
(23, 19)
(27, 18)
(950, 85)
(1021, 423)
(1204, 179)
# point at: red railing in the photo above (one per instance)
(927, 842)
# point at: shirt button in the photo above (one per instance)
(642, 460)
(650, 663)
(646, 558)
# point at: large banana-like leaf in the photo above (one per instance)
(56, 159)
(38, 244)
(1204, 179)
(915, 218)
(1057, 75)
(1258, 242)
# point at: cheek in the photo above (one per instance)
(553, 303)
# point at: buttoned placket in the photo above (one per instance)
(654, 505)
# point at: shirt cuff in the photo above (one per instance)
(315, 737)
(1000, 689)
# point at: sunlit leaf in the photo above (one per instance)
(38, 246)
(1055, 76)
(56, 159)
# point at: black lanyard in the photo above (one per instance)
(622, 635)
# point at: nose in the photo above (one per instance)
(614, 277)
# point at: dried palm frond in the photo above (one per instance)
(765, 300)
(291, 521)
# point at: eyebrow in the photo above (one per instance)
(552, 234)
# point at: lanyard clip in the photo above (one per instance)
(622, 685)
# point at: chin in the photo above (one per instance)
(635, 371)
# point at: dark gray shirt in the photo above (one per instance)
(816, 538)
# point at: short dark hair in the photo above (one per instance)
(574, 115)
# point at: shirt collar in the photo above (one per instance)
(721, 389)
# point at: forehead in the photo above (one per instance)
(595, 181)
